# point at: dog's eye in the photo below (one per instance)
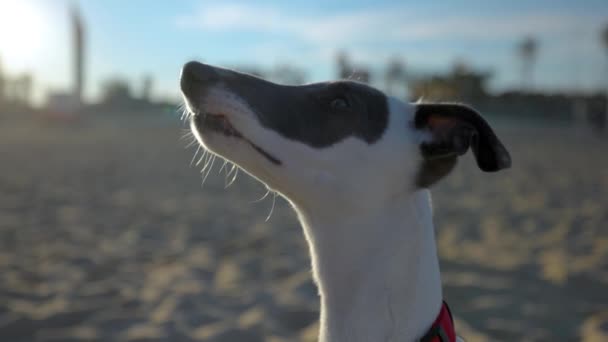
(339, 103)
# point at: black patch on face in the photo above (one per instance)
(318, 115)
(323, 114)
(454, 128)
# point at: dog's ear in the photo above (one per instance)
(453, 129)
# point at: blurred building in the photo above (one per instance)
(1, 85)
(461, 84)
(62, 103)
(117, 92)
(15, 90)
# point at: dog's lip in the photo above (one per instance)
(220, 123)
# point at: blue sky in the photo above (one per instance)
(137, 37)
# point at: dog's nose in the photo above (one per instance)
(196, 76)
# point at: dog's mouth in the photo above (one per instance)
(219, 123)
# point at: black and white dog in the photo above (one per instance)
(356, 165)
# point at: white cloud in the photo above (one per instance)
(402, 24)
(227, 17)
(319, 29)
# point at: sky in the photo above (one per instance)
(135, 38)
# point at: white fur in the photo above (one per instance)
(370, 232)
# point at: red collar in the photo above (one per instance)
(442, 329)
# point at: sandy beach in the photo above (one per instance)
(106, 234)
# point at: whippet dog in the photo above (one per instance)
(356, 165)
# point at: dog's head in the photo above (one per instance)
(335, 142)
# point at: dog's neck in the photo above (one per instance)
(377, 271)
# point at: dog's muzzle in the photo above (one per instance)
(195, 79)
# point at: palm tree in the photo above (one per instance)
(605, 42)
(605, 37)
(527, 51)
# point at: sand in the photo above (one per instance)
(106, 234)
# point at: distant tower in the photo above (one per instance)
(146, 88)
(79, 42)
(528, 49)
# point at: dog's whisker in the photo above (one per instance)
(190, 144)
(226, 174)
(202, 157)
(263, 197)
(209, 161)
(233, 178)
(232, 169)
(186, 134)
(187, 137)
(205, 152)
(195, 154)
(274, 200)
(208, 158)
(209, 170)
(184, 111)
(223, 166)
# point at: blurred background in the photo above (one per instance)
(106, 233)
